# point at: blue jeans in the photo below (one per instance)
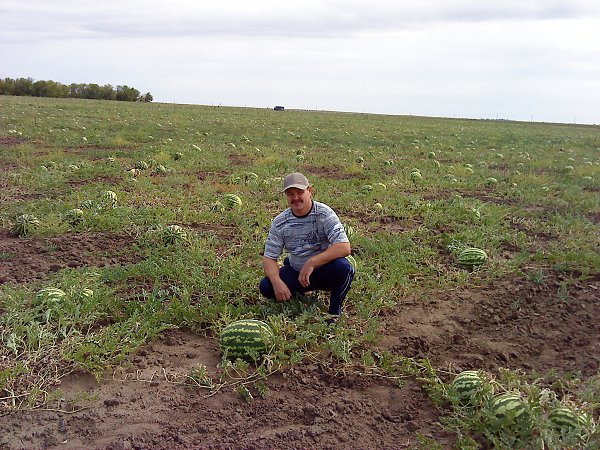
(335, 276)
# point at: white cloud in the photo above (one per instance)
(463, 58)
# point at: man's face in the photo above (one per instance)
(299, 200)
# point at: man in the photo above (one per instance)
(316, 243)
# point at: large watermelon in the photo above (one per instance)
(246, 338)
(467, 384)
(508, 406)
(472, 257)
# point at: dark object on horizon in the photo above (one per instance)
(279, 108)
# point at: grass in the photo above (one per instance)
(542, 211)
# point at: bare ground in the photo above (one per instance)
(516, 323)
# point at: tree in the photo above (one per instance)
(148, 97)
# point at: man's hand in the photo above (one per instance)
(282, 292)
(304, 277)
(339, 250)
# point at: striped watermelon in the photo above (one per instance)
(74, 216)
(490, 181)
(174, 234)
(246, 338)
(565, 419)
(25, 224)
(50, 294)
(467, 384)
(348, 230)
(109, 198)
(217, 207)
(87, 293)
(416, 175)
(472, 257)
(508, 406)
(141, 165)
(352, 261)
(232, 201)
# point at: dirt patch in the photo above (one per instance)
(304, 407)
(549, 323)
(10, 141)
(488, 197)
(240, 159)
(107, 179)
(24, 260)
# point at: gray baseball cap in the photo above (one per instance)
(295, 180)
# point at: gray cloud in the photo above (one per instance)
(65, 19)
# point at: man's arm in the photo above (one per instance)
(339, 250)
(282, 292)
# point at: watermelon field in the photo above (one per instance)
(124, 253)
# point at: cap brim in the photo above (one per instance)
(297, 185)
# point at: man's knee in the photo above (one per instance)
(343, 267)
(266, 288)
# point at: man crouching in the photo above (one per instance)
(316, 243)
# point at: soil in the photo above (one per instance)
(23, 260)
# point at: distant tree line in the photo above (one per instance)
(42, 88)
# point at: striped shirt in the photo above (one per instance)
(306, 236)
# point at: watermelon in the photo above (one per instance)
(348, 230)
(74, 216)
(366, 188)
(508, 406)
(245, 339)
(565, 419)
(85, 292)
(472, 257)
(378, 207)
(352, 261)
(88, 204)
(50, 294)
(177, 156)
(25, 224)
(467, 384)
(415, 176)
(141, 165)
(251, 177)
(174, 234)
(217, 207)
(109, 198)
(160, 169)
(490, 181)
(232, 201)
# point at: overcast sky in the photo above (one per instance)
(512, 59)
